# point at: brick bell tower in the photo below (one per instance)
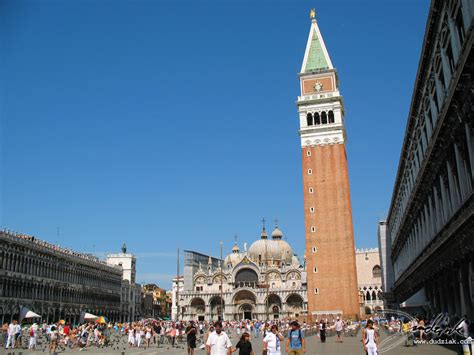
(330, 252)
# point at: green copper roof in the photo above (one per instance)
(316, 59)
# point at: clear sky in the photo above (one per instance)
(167, 124)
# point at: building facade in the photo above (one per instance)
(131, 304)
(369, 278)
(159, 308)
(176, 301)
(385, 247)
(55, 282)
(430, 223)
(330, 251)
(267, 281)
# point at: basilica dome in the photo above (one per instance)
(264, 249)
(285, 250)
(234, 258)
(296, 261)
(277, 233)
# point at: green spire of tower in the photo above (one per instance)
(316, 59)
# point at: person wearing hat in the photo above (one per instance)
(295, 344)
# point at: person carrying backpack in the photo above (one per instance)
(295, 344)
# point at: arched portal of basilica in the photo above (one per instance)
(267, 281)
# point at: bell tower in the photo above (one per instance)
(330, 252)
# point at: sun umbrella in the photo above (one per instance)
(88, 316)
(25, 313)
(62, 321)
(102, 320)
(31, 314)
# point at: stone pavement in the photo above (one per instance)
(350, 345)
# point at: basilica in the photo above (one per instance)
(267, 281)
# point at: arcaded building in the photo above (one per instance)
(55, 282)
(330, 252)
(267, 281)
(430, 224)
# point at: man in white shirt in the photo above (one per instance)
(339, 329)
(218, 343)
(12, 330)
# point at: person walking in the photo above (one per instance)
(11, 335)
(406, 331)
(322, 331)
(33, 336)
(191, 338)
(18, 335)
(148, 335)
(53, 339)
(295, 344)
(370, 339)
(256, 329)
(218, 343)
(5, 333)
(138, 336)
(244, 345)
(156, 333)
(339, 329)
(131, 336)
(172, 334)
(272, 341)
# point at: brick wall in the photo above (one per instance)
(336, 277)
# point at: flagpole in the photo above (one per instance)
(177, 288)
(222, 290)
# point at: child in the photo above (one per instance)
(370, 339)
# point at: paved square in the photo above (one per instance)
(350, 345)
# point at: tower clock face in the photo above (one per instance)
(318, 86)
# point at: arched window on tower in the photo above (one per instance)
(331, 116)
(309, 119)
(324, 117)
(317, 120)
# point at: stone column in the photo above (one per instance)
(453, 188)
(467, 12)
(456, 297)
(448, 292)
(470, 145)
(465, 293)
(447, 78)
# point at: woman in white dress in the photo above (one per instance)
(33, 334)
(131, 336)
(148, 336)
(138, 335)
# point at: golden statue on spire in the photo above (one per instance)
(312, 14)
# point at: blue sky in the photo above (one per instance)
(167, 124)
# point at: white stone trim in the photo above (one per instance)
(322, 138)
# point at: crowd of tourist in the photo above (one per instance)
(216, 338)
(209, 336)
